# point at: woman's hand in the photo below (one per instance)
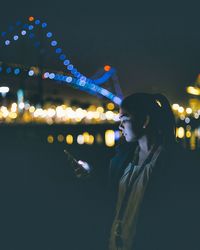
(84, 169)
(81, 168)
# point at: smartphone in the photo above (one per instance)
(72, 160)
(82, 169)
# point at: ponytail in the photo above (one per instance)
(166, 118)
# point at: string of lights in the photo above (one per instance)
(75, 78)
(187, 120)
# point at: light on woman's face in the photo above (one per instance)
(126, 127)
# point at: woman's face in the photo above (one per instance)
(131, 129)
(126, 127)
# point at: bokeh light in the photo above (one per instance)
(31, 18)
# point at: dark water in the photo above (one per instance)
(43, 206)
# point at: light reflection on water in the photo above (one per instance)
(189, 138)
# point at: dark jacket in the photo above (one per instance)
(124, 154)
(169, 219)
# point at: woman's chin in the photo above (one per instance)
(129, 139)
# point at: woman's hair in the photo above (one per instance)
(157, 107)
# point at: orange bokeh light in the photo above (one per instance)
(31, 18)
(107, 68)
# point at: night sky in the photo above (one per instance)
(154, 47)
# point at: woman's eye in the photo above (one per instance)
(125, 121)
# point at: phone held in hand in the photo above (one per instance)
(81, 169)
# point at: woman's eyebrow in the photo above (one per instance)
(124, 116)
(121, 116)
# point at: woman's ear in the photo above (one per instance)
(146, 123)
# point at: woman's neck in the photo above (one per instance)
(145, 147)
(146, 143)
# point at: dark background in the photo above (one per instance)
(43, 205)
(154, 46)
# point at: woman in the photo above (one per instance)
(150, 211)
(147, 212)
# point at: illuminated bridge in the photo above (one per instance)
(32, 30)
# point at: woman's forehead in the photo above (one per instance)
(123, 114)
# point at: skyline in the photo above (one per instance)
(150, 53)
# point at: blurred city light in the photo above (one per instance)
(107, 68)
(50, 139)
(180, 132)
(4, 90)
(193, 90)
(31, 18)
(110, 138)
(69, 139)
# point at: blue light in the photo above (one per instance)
(17, 71)
(78, 74)
(62, 57)
(8, 70)
(63, 78)
(7, 42)
(57, 77)
(66, 62)
(83, 78)
(31, 73)
(49, 34)
(52, 76)
(18, 23)
(30, 27)
(53, 43)
(117, 100)
(104, 77)
(58, 50)
(117, 135)
(23, 32)
(37, 22)
(70, 67)
(3, 33)
(90, 81)
(93, 87)
(74, 71)
(15, 38)
(1, 69)
(69, 79)
(84, 84)
(44, 25)
(25, 26)
(81, 83)
(105, 92)
(31, 36)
